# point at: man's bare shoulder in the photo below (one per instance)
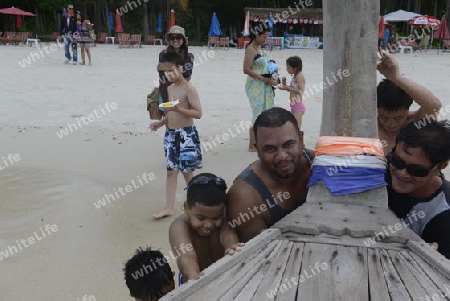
(241, 190)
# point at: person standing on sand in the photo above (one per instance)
(181, 141)
(177, 43)
(84, 37)
(258, 86)
(68, 28)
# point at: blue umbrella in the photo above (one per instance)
(159, 23)
(64, 12)
(214, 29)
(271, 24)
(111, 21)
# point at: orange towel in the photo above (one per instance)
(348, 146)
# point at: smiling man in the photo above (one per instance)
(395, 95)
(273, 186)
(416, 186)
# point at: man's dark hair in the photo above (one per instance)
(295, 62)
(206, 189)
(174, 58)
(391, 98)
(274, 118)
(147, 283)
(433, 138)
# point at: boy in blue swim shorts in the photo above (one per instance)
(181, 140)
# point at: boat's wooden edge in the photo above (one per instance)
(208, 274)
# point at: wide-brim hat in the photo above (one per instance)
(177, 30)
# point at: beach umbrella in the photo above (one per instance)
(424, 20)
(442, 31)
(381, 28)
(118, 22)
(214, 28)
(18, 13)
(247, 25)
(159, 23)
(172, 19)
(271, 24)
(18, 21)
(15, 11)
(111, 21)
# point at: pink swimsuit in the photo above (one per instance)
(299, 106)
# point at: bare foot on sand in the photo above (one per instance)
(164, 213)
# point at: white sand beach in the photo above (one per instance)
(54, 179)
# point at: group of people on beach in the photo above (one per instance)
(217, 222)
(75, 29)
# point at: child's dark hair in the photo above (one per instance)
(174, 58)
(295, 62)
(391, 98)
(146, 274)
(206, 189)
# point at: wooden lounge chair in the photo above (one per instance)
(123, 39)
(7, 39)
(54, 36)
(135, 39)
(101, 37)
(213, 41)
(224, 42)
(414, 45)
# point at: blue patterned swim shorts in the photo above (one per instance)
(182, 149)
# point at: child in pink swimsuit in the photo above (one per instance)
(296, 88)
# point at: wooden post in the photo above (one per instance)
(349, 94)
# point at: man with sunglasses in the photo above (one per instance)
(68, 28)
(273, 186)
(395, 95)
(417, 190)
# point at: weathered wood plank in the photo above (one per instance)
(377, 284)
(319, 193)
(345, 278)
(292, 270)
(344, 240)
(442, 283)
(414, 288)
(339, 219)
(251, 287)
(273, 278)
(222, 284)
(251, 247)
(425, 280)
(432, 257)
(396, 288)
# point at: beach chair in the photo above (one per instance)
(224, 42)
(276, 42)
(414, 45)
(54, 36)
(401, 45)
(150, 40)
(101, 37)
(19, 38)
(446, 45)
(124, 39)
(213, 41)
(135, 39)
(7, 39)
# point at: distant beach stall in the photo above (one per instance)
(299, 27)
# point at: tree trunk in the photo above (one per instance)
(145, 19)
(435, 8)
(349, 84)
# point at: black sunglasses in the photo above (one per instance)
(173, 38)
(205, 180)
(413, 170)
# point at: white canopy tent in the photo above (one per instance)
(400, 16)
